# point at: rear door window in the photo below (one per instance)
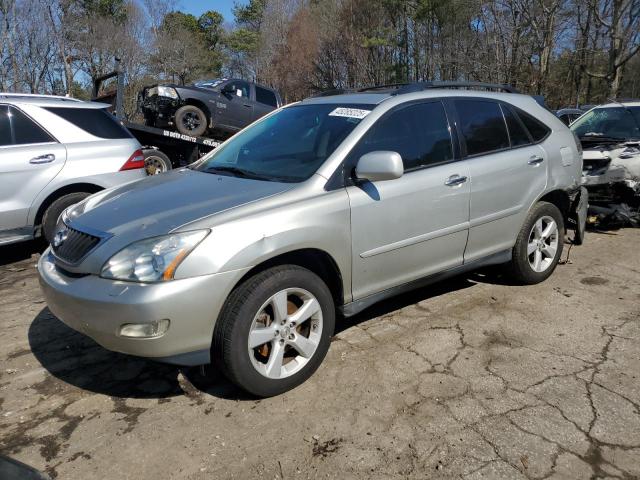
(5, 127)
(267, 97)
(482, 126)
(96, 121)
(517, 134)
(25, 130)
(419, 132)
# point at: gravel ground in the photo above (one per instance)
(473, 378)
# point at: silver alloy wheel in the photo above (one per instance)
(543, 244)
(285, 333)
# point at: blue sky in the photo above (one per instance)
(196, 7)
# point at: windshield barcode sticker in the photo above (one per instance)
(349, 112)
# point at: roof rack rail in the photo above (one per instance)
(37, 95)
(388, 86)
(420, 86)
(409, 87)
(333, 91)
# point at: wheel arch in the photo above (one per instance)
(60, 192)
(316, 260)
(560, 199)
(201, 105)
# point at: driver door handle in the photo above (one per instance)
(535, 160)
(455, 180)
(48, 158)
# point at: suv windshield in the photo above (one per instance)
(288, 146)
(613, 123)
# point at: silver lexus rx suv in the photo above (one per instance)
(54, 152)
(322, 207)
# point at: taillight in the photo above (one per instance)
(136, 160)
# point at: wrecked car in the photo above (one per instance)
(569, 115)
(610, 138)
(223, 106)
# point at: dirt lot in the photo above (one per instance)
(474, 378)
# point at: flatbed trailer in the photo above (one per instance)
(163, 149)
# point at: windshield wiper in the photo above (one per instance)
(235, 171)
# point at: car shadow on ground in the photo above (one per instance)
(79, 361)
(20, 251)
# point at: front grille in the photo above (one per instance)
(72, 245)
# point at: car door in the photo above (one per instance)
(508, 172)
(415, 225)
(239, 111)
(29, 159)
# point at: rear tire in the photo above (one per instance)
(539, 244)
(266, 323)
(156, 162)
(53, 212)
(190, 120)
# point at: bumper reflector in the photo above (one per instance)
(153, 329)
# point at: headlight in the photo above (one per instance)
(74, 211)
(154, 259)
(167, 92)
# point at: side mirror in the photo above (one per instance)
(379, 166)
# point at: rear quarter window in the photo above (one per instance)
(96, 121)
(537, 129)
(267, 97)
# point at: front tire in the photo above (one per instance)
(190, 120)
(53, 212)
(274, 330)
(539, 244)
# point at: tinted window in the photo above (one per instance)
(517, 133)
(418, 132)
(241, 87)
(25, 130)
(266, 96)
(537, 129)
(5, 127)
(96, 121)
(482, 126)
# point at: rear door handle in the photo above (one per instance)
(535, 160)
(48, 158)
(454, 180)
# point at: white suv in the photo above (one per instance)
(54, 152)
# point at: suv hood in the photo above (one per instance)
(162, 203)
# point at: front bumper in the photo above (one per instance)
(161, 110)
(98, 307)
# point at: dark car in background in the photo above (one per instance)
(221, 105)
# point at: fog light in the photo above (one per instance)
(153, 329)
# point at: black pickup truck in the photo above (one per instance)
(222, 106)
